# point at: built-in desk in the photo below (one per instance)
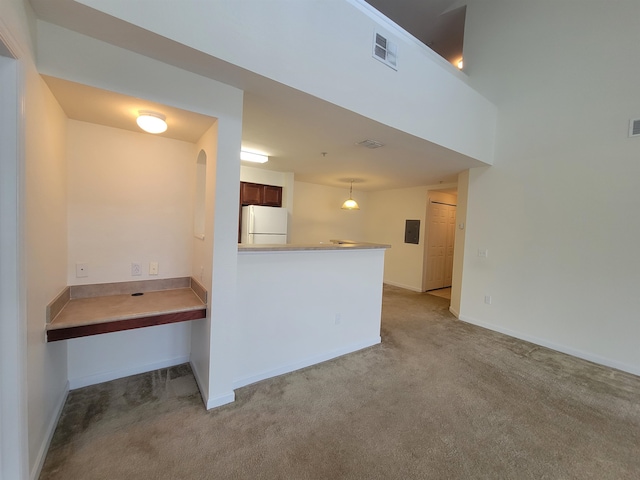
(84, 310)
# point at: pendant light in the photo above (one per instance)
(350, 204)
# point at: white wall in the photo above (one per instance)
(46, 254)
(203, 263)
(39, 137)
(100, 358)
(317, 216)
(386, 223)
(458, 253)
(426, 96)
(130, 200)
(13, 391)
(328, 301)
(558, 210)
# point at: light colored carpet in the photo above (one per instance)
(441, 292)
(438, 399)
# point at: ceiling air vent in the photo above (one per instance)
(371, 144)
(385, 50)
(634, 127)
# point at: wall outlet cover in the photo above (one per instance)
(136, 269)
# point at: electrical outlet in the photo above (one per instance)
(483, 252)
(487, 299)
(82, 270)
(153, 268)
(136, 269)
(338, 319)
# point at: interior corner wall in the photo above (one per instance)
(318, 218)
(458, 252)
(223, 293)
(42, 224)
(557, 211)
(389, 210)
(46, 254)
(202, 265)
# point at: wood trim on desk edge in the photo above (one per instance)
(119, 325)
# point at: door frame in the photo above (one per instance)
(14, 456)
(444, 188)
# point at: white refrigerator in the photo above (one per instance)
(263, 225)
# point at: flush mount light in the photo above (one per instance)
(350, 203)
(253, 157)
(151, 122)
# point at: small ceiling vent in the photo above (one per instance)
(371, 144)
(385, 50)
(634, 127)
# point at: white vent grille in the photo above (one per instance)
(371, 144)
(634, 127)
(385, 50)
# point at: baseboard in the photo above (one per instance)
(307, 362)
(80, 382)
(210, 403)
(607, 362)
(406, 287)
(204, 393)
(51, 428)
(221, 400)
(454, 311)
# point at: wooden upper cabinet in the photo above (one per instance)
(250, 193)
(258, 194)
(272, 196)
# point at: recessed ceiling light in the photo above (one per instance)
(151, 122)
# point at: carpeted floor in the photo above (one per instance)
(441, 292)
(438, 399)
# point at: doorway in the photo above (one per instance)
(439, 241)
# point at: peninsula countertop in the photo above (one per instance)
(293, 247)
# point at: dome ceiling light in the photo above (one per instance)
(151, 122)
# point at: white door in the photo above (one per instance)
(440, 237)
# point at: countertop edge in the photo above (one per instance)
(243, 248)
(54, 326)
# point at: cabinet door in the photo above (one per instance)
(272, 196)
(251, 193)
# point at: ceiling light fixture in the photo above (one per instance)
(253, 157)
(350, 204)
(151, 122)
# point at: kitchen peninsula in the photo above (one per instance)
(299, 305)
